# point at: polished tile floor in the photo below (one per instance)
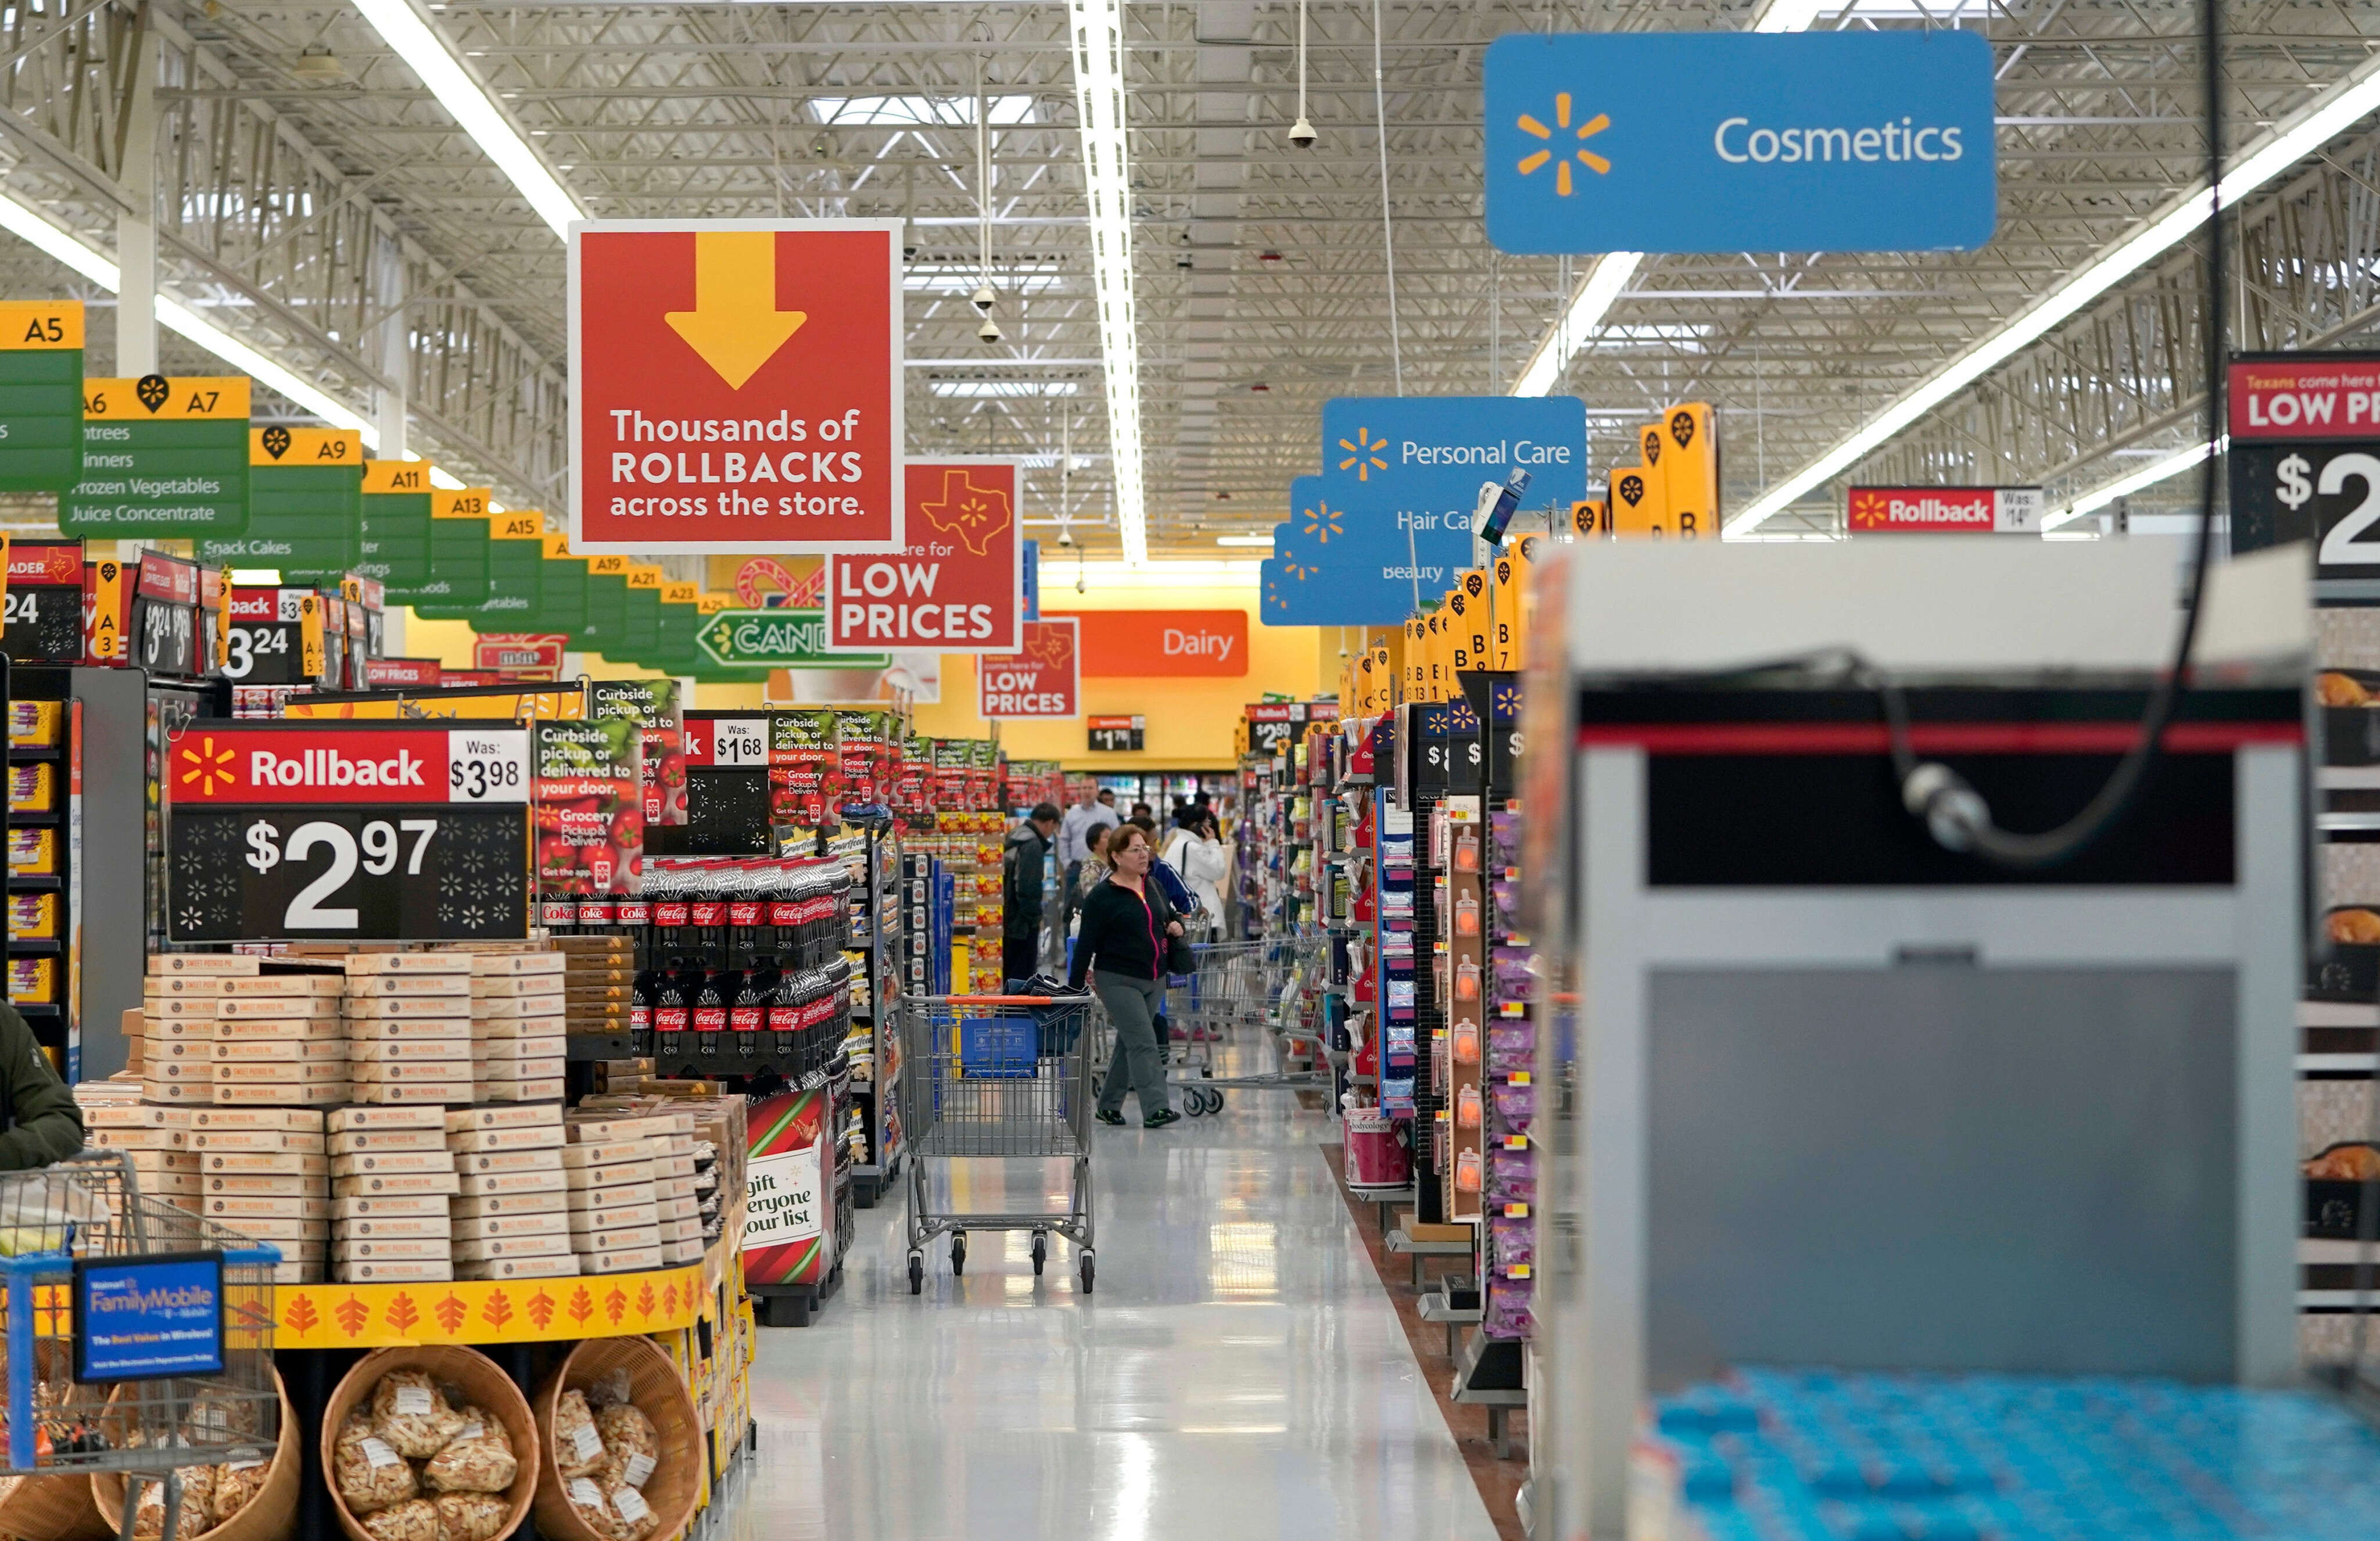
(1238, 1371)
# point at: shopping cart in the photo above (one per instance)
(998, 1075)
(138, 1335)
(1238, 988)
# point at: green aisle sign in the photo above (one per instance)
(644, 644)
(778, 639)
(607, 605)
(681, 618)
(161, 457)
(396, 523)
(305, 506)
(516, 551)
(561, 589)
(458, 552)
(40, 396)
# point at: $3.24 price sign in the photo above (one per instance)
(396, 833)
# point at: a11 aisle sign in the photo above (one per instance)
(162, 458)
(735, 385)
(398, 832)
(1042, 679)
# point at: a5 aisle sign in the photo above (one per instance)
(399, 831)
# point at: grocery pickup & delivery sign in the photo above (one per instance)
(735, 385)
(1740, 141)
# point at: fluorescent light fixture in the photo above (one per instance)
(2149, 475)
(1265, 541)
(418, 44)
(1577, 326)
(921, 112)
(1097, 27)
(2290, 141)
(988, 388)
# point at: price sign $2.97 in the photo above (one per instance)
(396, 831)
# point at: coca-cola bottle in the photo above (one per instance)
(747, 909)
(671, 911)
(782, 909)
(673, 1012)
(706, 913)
(647, 996)
(719, 987)
(785, 1021)
(747, 1014)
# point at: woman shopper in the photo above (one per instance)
(1196, 850)
(1122, 948)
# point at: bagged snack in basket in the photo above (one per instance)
(633, 1517)
(471, 1516)
(369, 1472)
(197, 1503)
(587, 1501)
(237, 1482)
(631, 1445)
(412, 1413)
(414, 1519)
(478, 1460)
(577, 1445)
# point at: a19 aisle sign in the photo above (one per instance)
(399, 831)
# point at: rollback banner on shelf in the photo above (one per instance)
(395, 831)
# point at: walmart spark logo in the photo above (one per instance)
(207, 765)
(1297, 569)
(1322, 520)
(1536, 159)
(1364, 455)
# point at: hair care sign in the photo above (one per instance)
(1044, 679)
(958, 587)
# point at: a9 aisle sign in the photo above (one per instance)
(392, 832)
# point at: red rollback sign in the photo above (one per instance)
(957, 587)
(1043, 679)
(735, 387)
(2305, 396)
(1942, 510)
(248, 764)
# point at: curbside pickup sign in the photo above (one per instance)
(1740, 141)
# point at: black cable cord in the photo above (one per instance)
(1953, 810)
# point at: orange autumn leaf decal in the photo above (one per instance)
(645, 1300)
(615, 1304)
(301, 1315)
(450, 1311)
(540, 1309)
(351, 1313)
(582, 1306)
(498, 1309)
(401, 1314)
(669, 1299)
(974, 514)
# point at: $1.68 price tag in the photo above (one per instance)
(399, 831)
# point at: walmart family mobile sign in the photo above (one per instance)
(1740, 141)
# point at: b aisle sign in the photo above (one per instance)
(1042, 679)
(958, 587)
(735, 385)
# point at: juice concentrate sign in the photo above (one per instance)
(735, 387)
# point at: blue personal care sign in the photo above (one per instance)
(1740, 141)
(149, 1317)
(1392, 507)
(1032, 581)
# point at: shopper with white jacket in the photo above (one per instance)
(1196, 850)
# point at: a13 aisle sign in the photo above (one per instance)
(400, 832)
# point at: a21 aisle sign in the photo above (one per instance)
(735, 385)
(398, 832)
(2304, 463)
(1740, 141)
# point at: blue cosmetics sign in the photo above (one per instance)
(1393, 507)
(150, 1317)
(1740, 141)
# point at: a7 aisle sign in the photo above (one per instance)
(398, 832)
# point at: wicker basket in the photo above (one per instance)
(657, 1389)
(272, 1515)
(483, 1384)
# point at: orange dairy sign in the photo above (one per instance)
(1207, 643)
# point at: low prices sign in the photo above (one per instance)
(2304, 463)
(958, 587)
(1044, 679)
(735, 387)
(398, 832)
(591, 818)
(1943, 510)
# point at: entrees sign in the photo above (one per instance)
(778, 639)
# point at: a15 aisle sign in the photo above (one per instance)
(399, 831)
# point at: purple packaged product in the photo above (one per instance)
(1503, 840)
(1508, 1309)
(1514, 1107)
(1506, 900)
(1513, 1176)
(1512, 1046)
(1516, 1242)
(1514, 980)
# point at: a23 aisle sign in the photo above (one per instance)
(398, 832)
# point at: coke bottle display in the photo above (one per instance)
(748, 1013)
(673, 1011)
(719, 986)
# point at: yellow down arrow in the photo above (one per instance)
(735, 324)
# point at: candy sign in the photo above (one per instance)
(1042, 680)
(957, 587)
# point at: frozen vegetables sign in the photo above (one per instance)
(591, 822)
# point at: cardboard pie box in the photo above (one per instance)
(256, 1185)
(494, 1184)
(531, 1088)
(498, 1052)
(614, 1240)
(310, 1052)
(345, 1120)
(383, 1052)
(232, 1073)
(370, 986)
(354, 1207)
(481, 1248)
(461, 1119)
(407, 962)
(165, 964)
(368, 1163)
(297, 1120)
(355, 1142)
(433, 1029)
(396, 1184)
(553, 1222)
(514, 1073)
(484, 964)
(379, 1008)
(517, 987)
(469, 1162)
(374, 1271)
(560, 1266)
(491, 1206)
(677, 1254)
(275, 1030)
(233, 1209)
(257, 1141)
(626, 1260)
(285, 1163)
(510, 1007)
(427, 1093)
(102, 1138)
(397, 1073)
(601, 1130)
(407, 1249)
(313, 1094)
(134, 1115)
(398, 1228)
(533, 1137)
(629, 1189)
(582, 1156)
(202, 985)
(616, 1216)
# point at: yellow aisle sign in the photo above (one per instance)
(1416, 666)
(1690, 470)
(1590, 520)
(1637, 506)
(1458, 632)
(1507, 648)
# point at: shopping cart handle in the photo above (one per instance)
(1012, 999)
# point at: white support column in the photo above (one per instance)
(136, 227)
(396, 351)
